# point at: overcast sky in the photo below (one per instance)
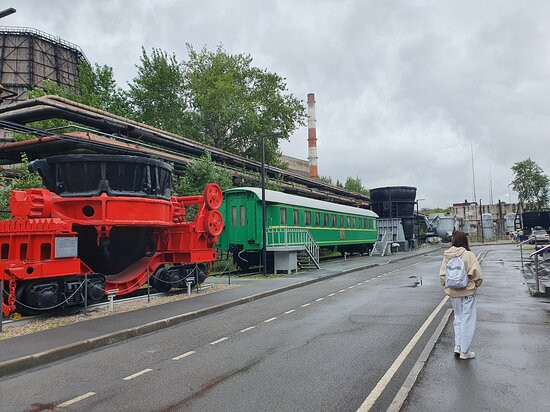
(402, 87)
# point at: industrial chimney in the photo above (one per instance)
(311, 136)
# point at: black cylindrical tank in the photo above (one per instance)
(395, 202)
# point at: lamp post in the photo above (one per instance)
(3, 13)
(264, 234)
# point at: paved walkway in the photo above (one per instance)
(54, 338)
(512, 369)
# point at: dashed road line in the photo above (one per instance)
(358, 284)
(183, 355)
(331, 294)
(319, 300)
(75, 400)
(135, 375)
(270, 319)
(351, 287)
(341, 290)
(247, 329)
(305, 304)
(290, 311)
(219, 341)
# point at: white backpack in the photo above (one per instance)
(456, 276)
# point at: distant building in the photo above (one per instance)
(471, 210)
(295, 165)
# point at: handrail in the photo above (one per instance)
(525, 241)
(541, 250)
(285, 236)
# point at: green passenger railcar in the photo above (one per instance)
(351, 229)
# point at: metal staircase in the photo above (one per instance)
(380, 248)
(287, 237)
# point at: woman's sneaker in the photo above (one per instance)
(457, 351)
(469, 355)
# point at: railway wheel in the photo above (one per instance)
(213, 196)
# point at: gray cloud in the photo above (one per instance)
(402, 88)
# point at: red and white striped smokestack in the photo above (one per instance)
(311, 136)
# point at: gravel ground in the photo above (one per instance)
(55, 321)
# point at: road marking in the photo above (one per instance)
(75, 400)
(319, 300)
(247, 329)
(135, 375)
(341, 290)
(305, 304)
(290, 311)
(270, 319)
(219, 341)
(360, 283)
(379, 276)
(331, 294)
(351, 287)
(184, 355)
(383, 382)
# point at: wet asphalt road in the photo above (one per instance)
(319, 348)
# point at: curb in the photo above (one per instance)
(52, 355)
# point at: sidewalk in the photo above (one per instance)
(39, 348)
(512, 345)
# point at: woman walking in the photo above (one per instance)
(463, 299)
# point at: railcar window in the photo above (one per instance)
(243, 216)
(295, 221)
(348, 221)
(308, 218)
(233, 215)
(359, 223)
(341, 221)
(326, 219)
(366, 222)
(333, 220)
(283, 215)
(353, 222)
(317, 219)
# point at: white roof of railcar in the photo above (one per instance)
(273, 196)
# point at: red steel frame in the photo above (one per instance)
(27, 243)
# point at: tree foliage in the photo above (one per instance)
(24, 180)
(531, 184)
(234, 103)
(198, 174)
(325, 179)
(355, 185)
(157, 94)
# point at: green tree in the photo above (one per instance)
(24, 180)
(198, 174)
(95, 87)
(355, 185)
(325, 179)
(157, 94)
(531, 184)
(234, 103)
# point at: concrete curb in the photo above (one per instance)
(42, 358)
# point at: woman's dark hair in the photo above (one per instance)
(460, 239)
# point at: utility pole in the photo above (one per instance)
(264, 234)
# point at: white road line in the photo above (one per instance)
(247, 329)
(135, 375)
(383, 382)
(75, 400)
(290, 311)
(270, 319)
(351, 287)
(379, 276)
(184, 355)
(319, 300)
(219, 341)
(305, 304)
(341, 290)
(331, 294)
(360, 283)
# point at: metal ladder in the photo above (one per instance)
(285, 237)
(380, 248)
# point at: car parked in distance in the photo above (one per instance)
(539, 236)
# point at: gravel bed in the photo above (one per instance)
(12, 330)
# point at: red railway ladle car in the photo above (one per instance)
(106, 218)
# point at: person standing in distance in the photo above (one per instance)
(464, 299)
